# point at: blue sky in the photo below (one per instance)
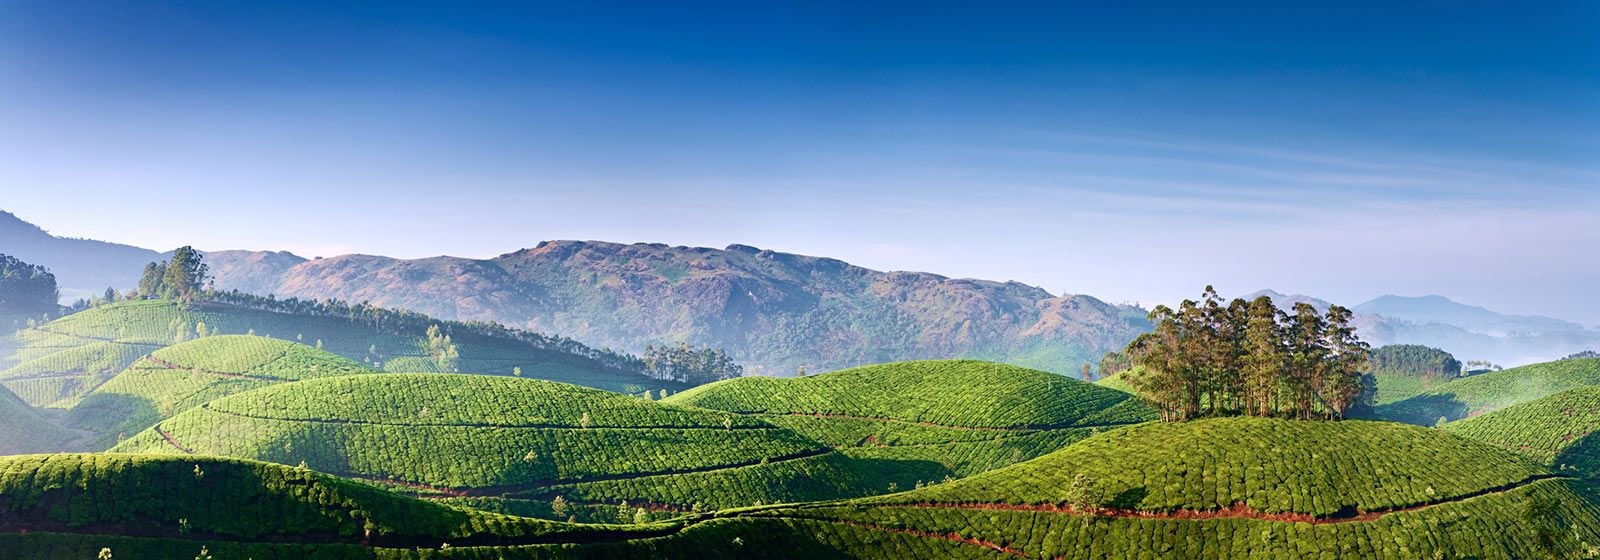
(1134, 153)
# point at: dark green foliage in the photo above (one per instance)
(1414, 360)
(1207, 359)
(690, 366)
(26, 288)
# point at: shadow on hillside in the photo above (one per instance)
(1423, 410)
(1582, 458)
(110, 417)
(1128, 499)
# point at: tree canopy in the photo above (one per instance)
(26, 288)
(1414, 360)
(1208, 358)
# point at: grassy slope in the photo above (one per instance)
(59, 362)
(928, 421)
(1273, 466)
(506, 436)
(958, 393)
(25, 431)
(185, 375)
(1487, 392)
(1558, 430)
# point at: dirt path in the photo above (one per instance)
(169, 365)
(540, 426)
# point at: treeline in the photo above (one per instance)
(410, 323)
(1413, 360)
(1582, 355)
(689, 365)
(1210, 358)
(185, 277)
(182, 278)
(26, 288)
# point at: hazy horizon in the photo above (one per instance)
(1132, 154)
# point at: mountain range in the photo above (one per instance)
(1467, 331)
(776, 312)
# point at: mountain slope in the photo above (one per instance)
(80, 264)
(777, 310)
(23, 430)
(1558, 430)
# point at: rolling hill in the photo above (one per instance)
(25, 431)
(59, 362)
(932, 420)
(1557, 430)
(777, 310)
(1487, 392)
(1243, 487)
(188, 374)
(472, 436)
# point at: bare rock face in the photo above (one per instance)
(774, 310)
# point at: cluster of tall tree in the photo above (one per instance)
(1211, 358)
(183, 277)
(26, 288)
(1414, 360)
(689, 365)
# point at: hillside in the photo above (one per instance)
(79, 264)
(500, 437)
(1557, 430)
(23, 430)
(188, 374)
(59, 362)
(1226, 487)
(1487, 392)
(932, 420)
(777, 310)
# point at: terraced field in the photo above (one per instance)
(929, 421)
(1322, 496)
(1558, 430)
(465, 435)
(1245, 487)
(57, 363)
(188, 374)
(1487, 392)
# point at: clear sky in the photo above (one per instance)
(1133, 153)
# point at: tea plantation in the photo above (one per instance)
(1557, 430)
(496, 436)
(188, 374)
(1487, 392)
(58, 362)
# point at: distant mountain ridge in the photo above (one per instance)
(1467, 331)
(778, 310)
(80, 264)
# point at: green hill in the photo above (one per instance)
(509, 438)
(929, 420)
(1488, 392)
(25, 431)
(1246, 487)
(1223, 488)
(188, 374)
(59, 362)
(1558, 430)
